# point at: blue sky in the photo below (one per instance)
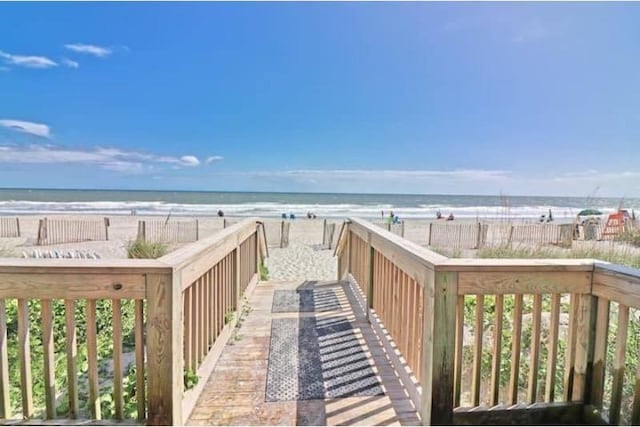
(518, 98)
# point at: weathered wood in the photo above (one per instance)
(116, 317)
(49, 359)
(537, 414)
(584, 344)
(527, 265)
(534, 354)
(440, 296)
(497, 350)
(164, 338)
(92, 361)
(24, 357)
(72, 354)
(457, 372)
(43, 285)
(515, 350)
(531, 282)
(552, 351)
(635, 412)
(141, 399)
(477, 350)
(618, 364)
(617, 285)
(570, 353)
(600, 352)
(5, 403)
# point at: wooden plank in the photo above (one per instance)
(46, 285)
(526, 265)
(24, 357)
(619, 286)
(457, 372)
(497, 350)
(530, 282)
(552, 350)
(92, 361)
(116, 317)
(570, 353)
(600, 352)
(515, 349)
(188, 331)
(538, 414)
(5, 403)
(438, 343)
(618, 364)
(532, 391)
(584, 340)
(164, 338)
(49, 359)
(139, 343)
(477, 350)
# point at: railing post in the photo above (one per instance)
(165, 377)
(430, 229)
(438, 347)
(237, 270)
(369, 282)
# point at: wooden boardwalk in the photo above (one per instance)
(237, 391)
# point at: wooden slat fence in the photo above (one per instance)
(457, 236)
(54, 231)
(329, 234)
(76, 335)
(168, 231)
(395, 228)
(542, 234)
(501, 341)
(9, 226)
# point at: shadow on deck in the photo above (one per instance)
(304, 355)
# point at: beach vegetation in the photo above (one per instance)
(142, 249)
(264, 272)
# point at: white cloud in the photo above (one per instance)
(90, 49)
(385, 174)
(27, 61)
(190, 160)
(31, 128)
(106, 158)
(69, 63)
(212, 159)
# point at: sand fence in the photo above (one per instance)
(54, 231)
(479, 235)
(168, 231)
(9, 227)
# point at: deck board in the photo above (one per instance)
(235, 393)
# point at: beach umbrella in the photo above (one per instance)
(587, 212)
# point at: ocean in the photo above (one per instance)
(324, 205)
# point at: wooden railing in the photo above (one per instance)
(501, 341)
(119, 338)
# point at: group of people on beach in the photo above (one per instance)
(391, 219)
(439, 216)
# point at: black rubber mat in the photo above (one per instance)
(317, 359)
(305, 300)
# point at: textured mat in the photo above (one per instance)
(311, 359)
(305, 300)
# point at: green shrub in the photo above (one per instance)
(146, 250)
(264, 272)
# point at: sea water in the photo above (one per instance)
(324, 205)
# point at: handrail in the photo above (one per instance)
(392, 273)
(391, 240)
(265, 244)
(185, 297)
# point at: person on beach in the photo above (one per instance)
(438, 215)
(450, 217)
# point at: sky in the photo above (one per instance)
(425, 98)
